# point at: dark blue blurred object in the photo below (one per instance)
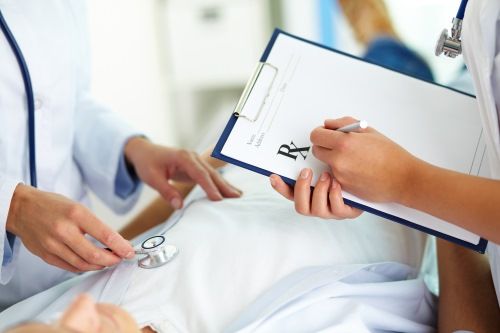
(393, 54)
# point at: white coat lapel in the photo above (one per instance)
(479, 53)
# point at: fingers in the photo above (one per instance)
(227, 190)
(320, 206)
(302, 192)
(199, 174)
(182, 165)
(89, 253)
(337, 206)
(341, 122)
(56, 261)
(281, 187)
(95, 228)
(169, 192)
(324, 201)
(326, 138)
(66, 254)
(334, 124)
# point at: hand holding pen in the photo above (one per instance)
(366, 164)
(356, 126)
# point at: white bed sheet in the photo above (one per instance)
(230, 253)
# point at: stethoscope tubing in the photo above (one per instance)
(461, 9)
(30, 99)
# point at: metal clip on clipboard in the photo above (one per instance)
(267, 73)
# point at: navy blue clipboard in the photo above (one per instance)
(217, 153)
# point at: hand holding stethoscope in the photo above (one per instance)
(54, 227)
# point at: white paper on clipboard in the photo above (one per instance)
(312, 83)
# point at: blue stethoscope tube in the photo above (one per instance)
(29, 95)
(461, 10)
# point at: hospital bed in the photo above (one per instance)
(398, 244)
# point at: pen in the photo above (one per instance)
(353, 127)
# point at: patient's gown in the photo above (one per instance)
(253, 264)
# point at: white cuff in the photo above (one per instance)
(7, 188)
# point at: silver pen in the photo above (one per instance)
(354, 127)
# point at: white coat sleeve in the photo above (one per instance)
(7, 250)
(100, 134)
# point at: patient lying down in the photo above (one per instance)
(252, 265)
(84, 315)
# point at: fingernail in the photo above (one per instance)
(324, 176)
(176, 203)
(272, 181)
(334, 184)
(304, 174)
(130, 255)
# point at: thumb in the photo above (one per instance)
(334, 124)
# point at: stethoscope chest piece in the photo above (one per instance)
(157, 252)
(450, 46)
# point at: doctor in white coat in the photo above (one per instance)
(467, 294)
(80, 146)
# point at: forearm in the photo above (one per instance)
(467, 299)
(467, 201)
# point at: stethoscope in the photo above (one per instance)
(29, 95)
(451, 46)
(155, 251)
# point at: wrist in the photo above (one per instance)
(20, 196)
(133, 149)
(416, 175)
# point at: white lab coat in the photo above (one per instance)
(78, 142)
(481, 46)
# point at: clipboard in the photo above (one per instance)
(259, 97)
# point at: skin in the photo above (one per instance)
(475, 307)
(53, 227)
(440, 192)
(86, 316)
(394, 175)
(324, 201)
(158, 211)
